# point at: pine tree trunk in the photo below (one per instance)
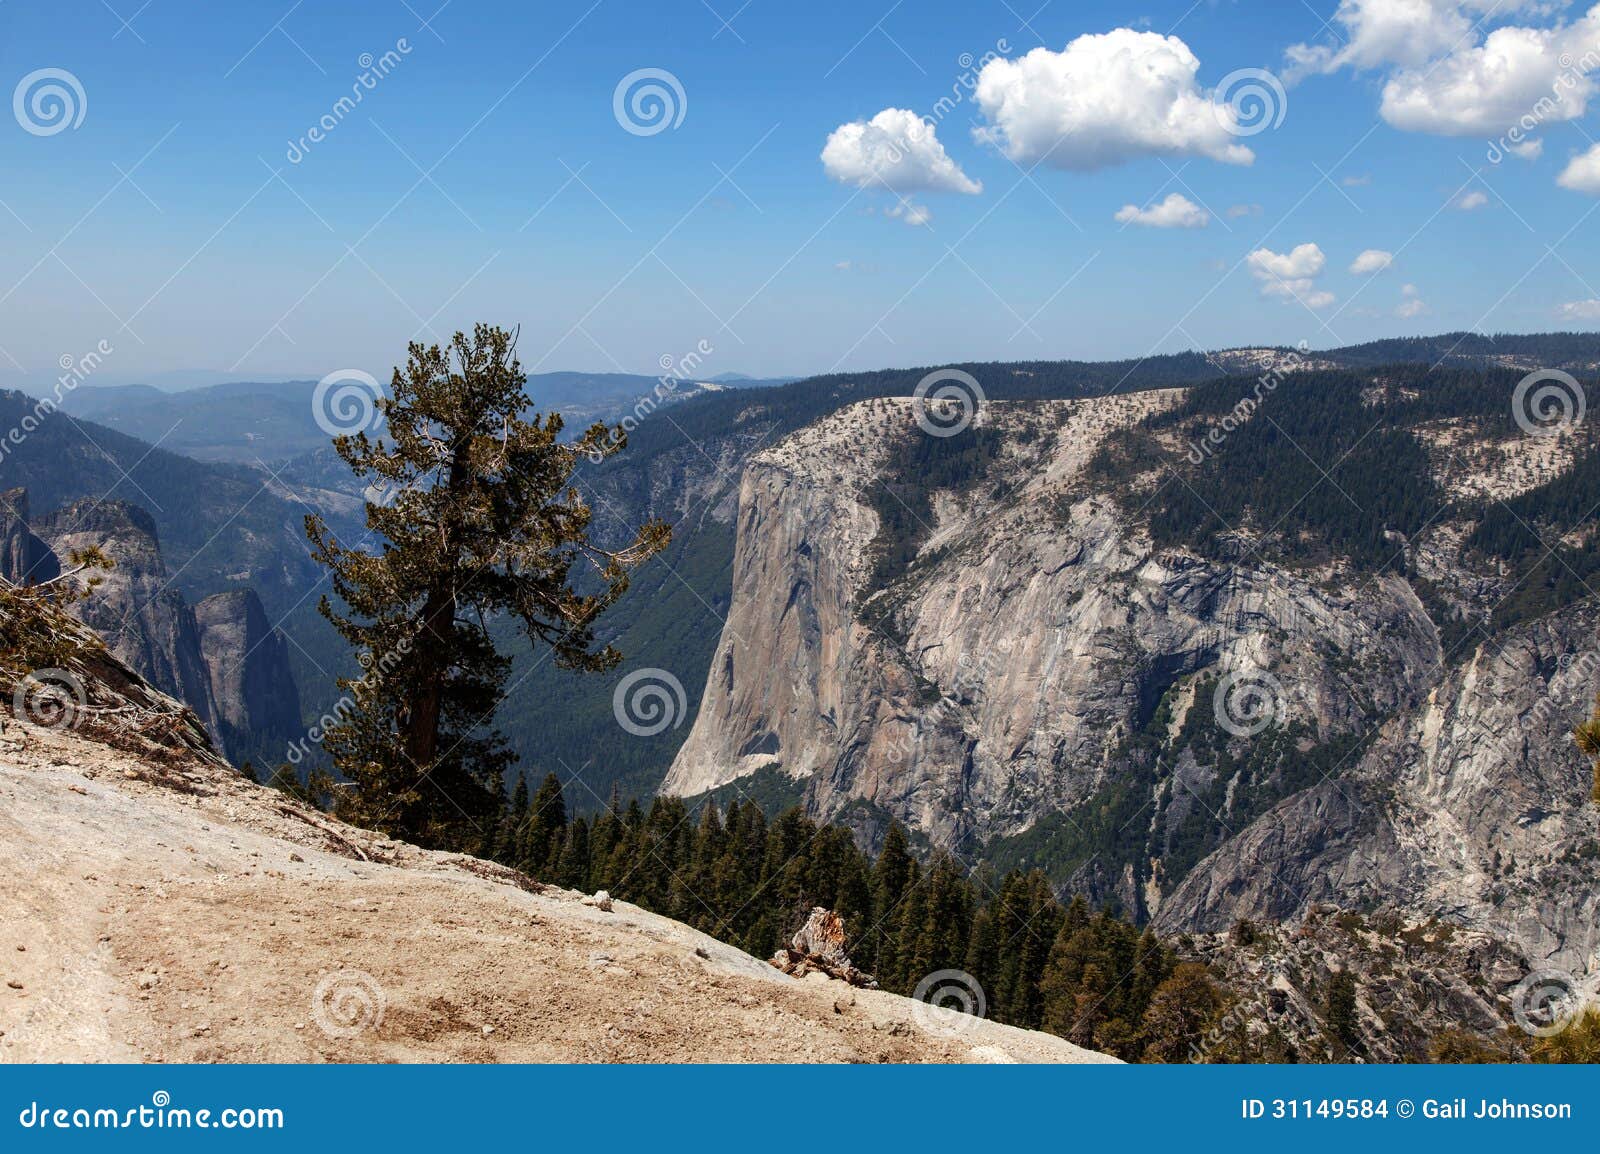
(438, 622)
(422, 727)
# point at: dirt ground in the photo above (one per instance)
(153, 915)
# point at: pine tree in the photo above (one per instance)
(485, 524)
(543, 827)
(704, 909)
(492, 825)
(853, 900)
(911, 963)
(1577, 1042)
(1027, 920)
(893, 874)
(1180, 1012)
(983, 947)
(947, 920)
(572, 864)
(695, 887)
(604, 837)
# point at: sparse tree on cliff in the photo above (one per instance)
(1588, 738)
(485, 523)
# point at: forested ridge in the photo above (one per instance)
(1088, 976)
(750, 880)
(1328, 466)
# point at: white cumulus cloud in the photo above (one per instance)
(1304, 260)
(1370, 261)
(1468, 201)
(1466, 67)
(1582, 173)
(1292, 275)
(1102, 100)
(1398, 33)
(1488, 88)
(896, 150)
(1174, 212)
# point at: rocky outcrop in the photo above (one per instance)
(24, 559)
(146, 623)
(74, 684)
(1473, 806)
(1412, 980)
(799, 558)
(221, 658)
(257, 706)
(818, 947)
(243, 929)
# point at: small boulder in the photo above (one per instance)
(819, 948)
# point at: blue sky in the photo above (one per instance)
(172, 223)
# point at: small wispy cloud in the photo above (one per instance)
(1174, 212)
(1371, 261)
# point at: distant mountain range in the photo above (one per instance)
(266, 422)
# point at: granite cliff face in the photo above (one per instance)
(222, 658)
(257, 707)
(1193, 739)
(1470, 806)
(145, 622)
(24, 559)
(1035, 631)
